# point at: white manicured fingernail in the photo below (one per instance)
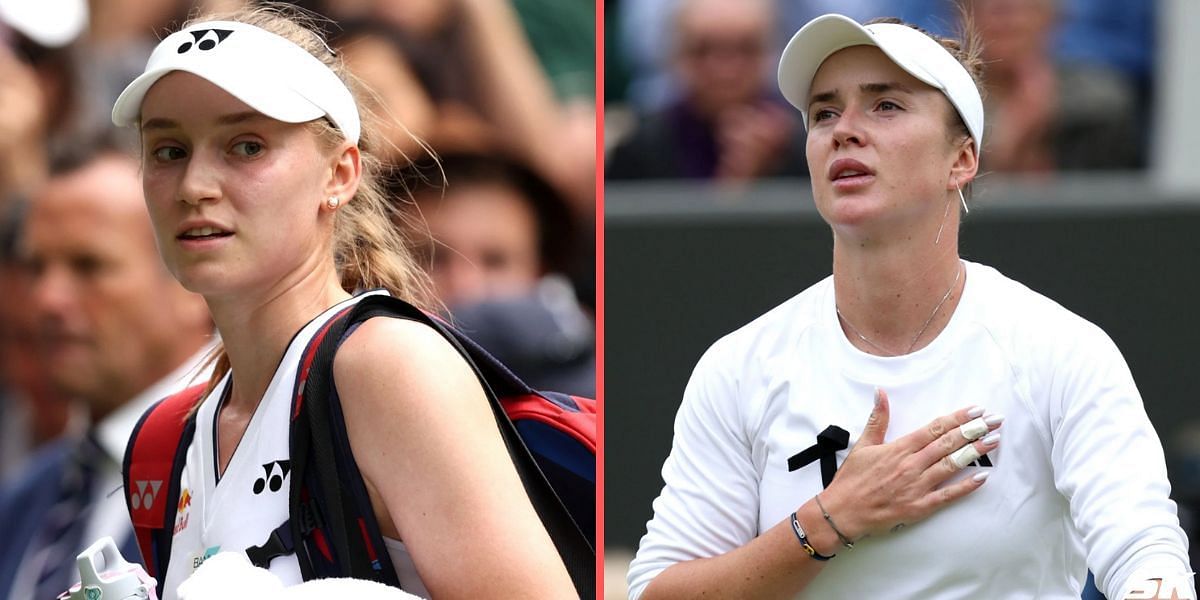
(973, 430)
(992, 439)
(993, 420)
(981, 476)
(878, 396)
(964, 456)
(975, 411)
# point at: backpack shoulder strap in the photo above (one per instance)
(153, 462)
(331, 522)
(572, 544)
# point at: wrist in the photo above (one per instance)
(841, 535)
(820, 536)
(842, 513)
(807, 546)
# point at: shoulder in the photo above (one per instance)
(24, 501)
(1046, 343)
(390, 347)
(728, 378)
(37, 480)
(1022, 317)
(773, 332)
(400, 357)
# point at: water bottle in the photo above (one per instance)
(112, 578)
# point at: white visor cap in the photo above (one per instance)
(918, 54)
(269, 73)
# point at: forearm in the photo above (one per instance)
(515, 93)
(773, 565)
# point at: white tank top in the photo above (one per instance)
(247, 502)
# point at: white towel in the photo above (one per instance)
(230, 576)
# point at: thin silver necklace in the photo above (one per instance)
(913, 344)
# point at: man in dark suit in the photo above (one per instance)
(116, 332)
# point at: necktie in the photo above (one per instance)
(61, 538)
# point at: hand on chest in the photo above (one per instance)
(808, 437)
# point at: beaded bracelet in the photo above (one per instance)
(804, 541)
(845, 540)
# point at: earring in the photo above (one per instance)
(945, 215)
(962, 199)
(333, 202)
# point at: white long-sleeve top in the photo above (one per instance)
(1078, 482)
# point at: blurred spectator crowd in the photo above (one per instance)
(691, 94)
(487, 108)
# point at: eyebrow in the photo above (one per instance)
(881, 88)
(230, 119)
(868, 88)
(159, 124)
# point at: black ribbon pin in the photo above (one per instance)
(831, 440)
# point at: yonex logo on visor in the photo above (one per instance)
(206, 39)
(267, 72)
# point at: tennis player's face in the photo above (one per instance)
(879, 148)
(235, 196)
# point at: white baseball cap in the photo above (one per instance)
(269, 73)
(918, 54)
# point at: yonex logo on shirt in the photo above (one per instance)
(205, 39)
(273, 477)
(140, 498)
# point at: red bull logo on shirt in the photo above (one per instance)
(182, 512)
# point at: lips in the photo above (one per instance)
(202, 231)
(55, 337)
(847, 168)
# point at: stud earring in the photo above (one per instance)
(333, 202)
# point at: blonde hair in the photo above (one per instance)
(369, 249)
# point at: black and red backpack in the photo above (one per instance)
(551, 438)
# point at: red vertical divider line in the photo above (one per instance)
(601, 401)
